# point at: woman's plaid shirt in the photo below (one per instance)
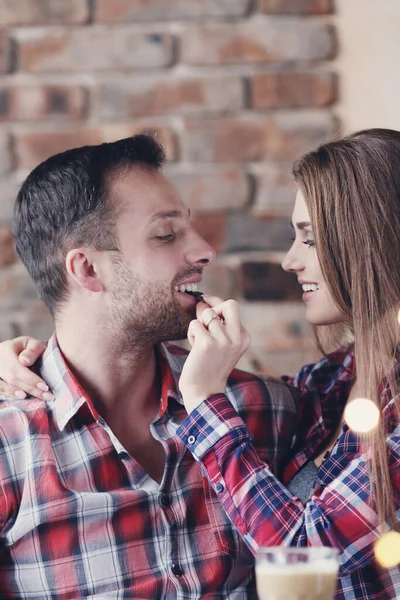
(79, 518)
(340, 513)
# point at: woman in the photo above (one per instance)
(338, 489)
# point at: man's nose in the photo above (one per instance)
(200, 251)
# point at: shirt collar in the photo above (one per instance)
(327, 385)
(69, 396)
(171, 359)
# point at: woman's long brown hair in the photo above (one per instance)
(352, 189)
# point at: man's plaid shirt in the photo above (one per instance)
(81, 519)
(340, 513)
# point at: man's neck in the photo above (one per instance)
(118, 382)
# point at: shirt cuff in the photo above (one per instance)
(207, 424)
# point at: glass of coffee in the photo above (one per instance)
(296, 573)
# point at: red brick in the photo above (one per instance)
(7, 328)
(273, 39)
(35, 318)
(91, 49)
(268, 281)
(7, 252)
(280, 338)
(277, 326)
(288, 136)
(6, 157)
(33, 146)
(9, 186)
(162, 10)
(280, 90)
(122, 98)
(16, 287)
(212, 191)
(226, 139)
(220, 279)
(212, 227)
(303, 7)
(39, 102)
(4, 52)
(275, 363)
(251, 138)
(46, 12)
(245, 233)
(275, 190)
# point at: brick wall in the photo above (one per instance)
(234, 89)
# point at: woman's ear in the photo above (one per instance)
(82, 267)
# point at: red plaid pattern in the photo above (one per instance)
(79, 518)
(340, 513)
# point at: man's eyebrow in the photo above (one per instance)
(301, 224)
(169, 214)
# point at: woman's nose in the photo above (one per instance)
(291, 262)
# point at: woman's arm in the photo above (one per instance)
(16, 379)
(339, 514)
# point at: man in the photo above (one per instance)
(99, 498)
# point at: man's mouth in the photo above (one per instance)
(190, 289)
(186, 287)
(197, 295)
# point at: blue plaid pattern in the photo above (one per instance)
(340, 513)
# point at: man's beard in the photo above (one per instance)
(144, 313)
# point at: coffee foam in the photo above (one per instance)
(298, 568)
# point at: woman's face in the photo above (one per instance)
(302, 260)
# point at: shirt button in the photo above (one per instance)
(219, 488)
(164, 500)
(191, 439)
(177, 570)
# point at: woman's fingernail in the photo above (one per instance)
(43, 387)
(26, 359)
(20, 394)
(47, 396)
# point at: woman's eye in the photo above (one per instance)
(309, 243)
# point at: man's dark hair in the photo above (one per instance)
(65, 203)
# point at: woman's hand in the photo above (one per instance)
(15, 377)
(218, 340)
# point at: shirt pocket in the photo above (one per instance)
(227, 539)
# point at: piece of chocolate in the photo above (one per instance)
(197, 295)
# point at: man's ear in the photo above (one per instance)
(82, 267)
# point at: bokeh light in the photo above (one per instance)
(361, 415)
(387, 549)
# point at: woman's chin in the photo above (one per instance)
(320, 320)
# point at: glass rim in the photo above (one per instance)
(319, 551)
